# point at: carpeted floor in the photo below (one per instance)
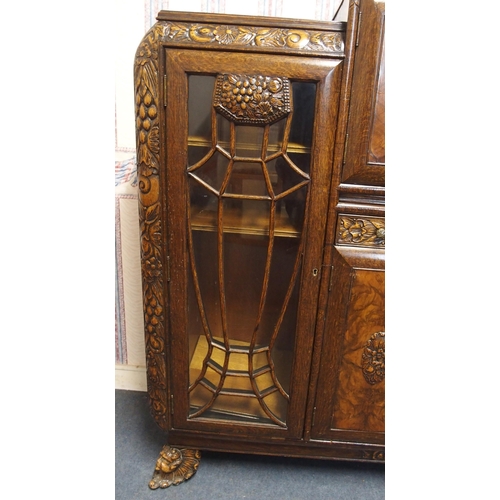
(225, 476)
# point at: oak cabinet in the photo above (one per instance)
(262, 276)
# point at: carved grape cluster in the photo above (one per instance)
(146, 113)
(153, 313)
(253, 98)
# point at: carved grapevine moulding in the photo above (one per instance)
(252, 99)
(362, 231)
(260, 37)
(373, 358)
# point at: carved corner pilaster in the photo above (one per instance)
(174, 466)
(147, 103)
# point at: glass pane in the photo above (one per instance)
(223, 133)
(249, 141)
(210, 170)
(245, 230)
(276, 134)
(304, 99)
(292, 190)
(247, 179)
(201, 88)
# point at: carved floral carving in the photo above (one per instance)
(252, 99)
(174, 466)
(147, 136)
(373, 358)
(240, 36)
(361, 231)
(374, 455)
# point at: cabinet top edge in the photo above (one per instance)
(264, 21)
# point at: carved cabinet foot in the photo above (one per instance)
(174, 466)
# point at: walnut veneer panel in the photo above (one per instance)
(360, 397)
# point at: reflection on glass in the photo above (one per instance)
(248, 188)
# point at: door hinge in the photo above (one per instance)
(358, 28)
(330, 284)
(164, 91)
(171, 404)
(345, 149)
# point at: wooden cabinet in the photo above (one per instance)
(262, 236)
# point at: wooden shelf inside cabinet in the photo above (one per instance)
(292, 147)
(255, 222)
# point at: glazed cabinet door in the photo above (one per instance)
(350, 399)
(249, 142)
(364, 156)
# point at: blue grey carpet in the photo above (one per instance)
(226, 476)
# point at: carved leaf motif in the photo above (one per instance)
(271, 38)
(177, 31)
(149, 76)
(152, 213)
(154, 141)
(246, 36)
(275, 102)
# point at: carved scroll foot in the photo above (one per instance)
(174, 466)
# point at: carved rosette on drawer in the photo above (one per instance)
(373, 358)
(147, 135)
(361, 231)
